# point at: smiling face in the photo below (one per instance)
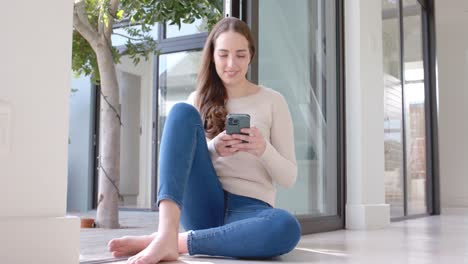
(231, 57)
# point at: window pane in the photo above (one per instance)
(414, 107)
(393, 114)
(120, 35)
(186, 29)
(301, 64)
(177, 79)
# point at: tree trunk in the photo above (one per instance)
(109, 140)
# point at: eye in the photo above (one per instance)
(223, 55)
(241, 56)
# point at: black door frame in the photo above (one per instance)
(430, 51)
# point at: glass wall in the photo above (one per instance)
(393, 112)
(297, 57)
(198, 26)
(414, 107)
(177, 69)
(177, 79)
(405, 108)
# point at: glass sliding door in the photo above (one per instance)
(406, 173)
(176, 69)
(297, 56)
(414, 107)
(177, 79)
(393, 112)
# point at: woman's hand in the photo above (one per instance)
(255, 143)
(224, 144)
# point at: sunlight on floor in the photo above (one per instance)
(324, 251)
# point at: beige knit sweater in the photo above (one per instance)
(256, 177)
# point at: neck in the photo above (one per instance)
(240, 89)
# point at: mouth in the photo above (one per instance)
(230, 73)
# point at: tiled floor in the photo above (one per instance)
(437, 239)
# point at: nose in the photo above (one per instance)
(230, 61)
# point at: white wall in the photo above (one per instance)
(143, 70)
(130, 89)
(34, 99)
(452, 55)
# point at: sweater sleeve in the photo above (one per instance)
(279, 157)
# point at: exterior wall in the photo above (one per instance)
(452, 55)
(34, 99)
(144, 72)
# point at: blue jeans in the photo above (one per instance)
(220, 223)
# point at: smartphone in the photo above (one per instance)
(235, 122)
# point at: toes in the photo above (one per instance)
(139, 259)
(133, 260)
(113, 248)
(118, 254)
(113, 243)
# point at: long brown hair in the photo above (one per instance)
(211, 93)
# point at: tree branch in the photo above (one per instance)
(113, 6)
(81, 23)
(102, 11)
(122, 35)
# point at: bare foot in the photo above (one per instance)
(129, 245)
(162, 248)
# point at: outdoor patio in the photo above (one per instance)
(93, 241)
(435, 239)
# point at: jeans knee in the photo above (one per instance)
(288, 229)
(184, 111)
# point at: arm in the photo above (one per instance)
(279, 158)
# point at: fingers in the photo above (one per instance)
(251, 141)
(252, 131)
(227, 137)
(227, 151)
(245, 146)
(224, 144)
(231, 142)
(243, 137)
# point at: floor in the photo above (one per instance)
(436, 239)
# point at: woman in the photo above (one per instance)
(221, 188)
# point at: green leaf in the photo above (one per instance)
(141, 16)
(119, 14)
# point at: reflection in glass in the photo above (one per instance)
(301, 64)
(414, 102)
(197, 26)
(177, 79)
(393, 114)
